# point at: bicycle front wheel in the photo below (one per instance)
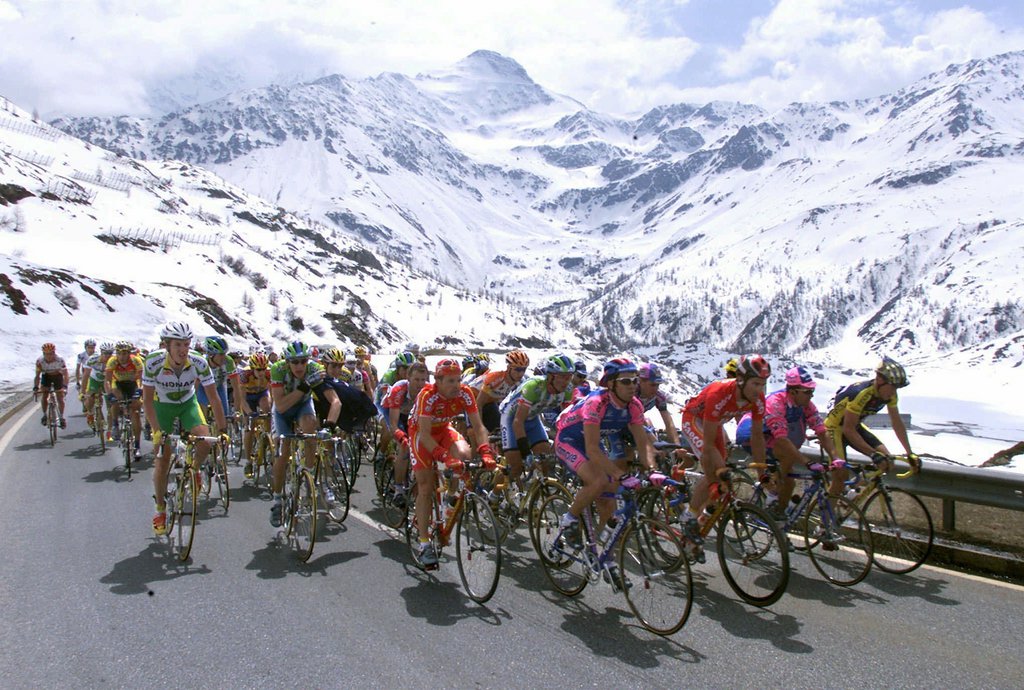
(901, 528)
(51, 421)
(301, 524)
(753, 554)
(185, 508)
(561, 555)
(336, 480)
(220, 475)
(534, 500)
(478, 549)
(659, 590)
(838, 540)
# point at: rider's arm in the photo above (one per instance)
(644, 449)
(899, 428)
(479, 430)
(331, 396)
(852, 434)
(35, 381)
(423, 437)
(148, 406)
(592, 444)
(710, 455)
(670, 427)
(519, 421)
(757, 444)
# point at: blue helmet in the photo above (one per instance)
(651, 372)
(580, 367)
(404, 360)
(215, 345)
(619, 365)
(296, 350)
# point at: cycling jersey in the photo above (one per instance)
(598, 408)
(130, 371)
(495, 384)
(717, 402)
(658, 401)
(55, 367)
(225, 371)
(533, 394)
(281, 377)
(862, 399)
(174, 387)
(442, 411)
(356, 406)
(97, 366)
(254, 381)
(782, 419)
(398, 396)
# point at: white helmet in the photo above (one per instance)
(176, 330)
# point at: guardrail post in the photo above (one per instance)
(948, 514)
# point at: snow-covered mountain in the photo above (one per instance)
(830, 230)
(96, 244)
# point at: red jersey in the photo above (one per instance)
(441, 410)
(717, 403)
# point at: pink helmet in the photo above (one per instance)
(798, 377)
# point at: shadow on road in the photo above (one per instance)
(442, 603)
(38, 445)
(90, 451)
(816, 588)
(277, 560)
(750, 622)
(116, 474)
(912, 585)
(152, 564)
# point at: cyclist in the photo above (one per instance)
(580, 383)
(124, 373)
(522, 431)
(415, 350)
(398, 371)
(360, 377)
(652, 398)
(492, 387)
(706, 412)
(255, 383)
(397, 405)
(857, 401)
(292, 381)
(369, 371)
(94, 373)
(583, 430)
(788, 414)
(169, 379)
(224, 371)
(51, 372)
(475, 366)
(90, 350)
(354, 407)
(434, 440)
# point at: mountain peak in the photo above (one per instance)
(490, 65)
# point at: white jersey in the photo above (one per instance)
(97, 366)
(54, 367)
(171, 387)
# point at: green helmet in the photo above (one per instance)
(296, 350)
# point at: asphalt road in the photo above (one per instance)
(90, 599)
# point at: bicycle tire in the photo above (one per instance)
(51, 419)
(838, 541)
(659, 593)
(563, 563)
(335, 478)
(128, 452)
(220, 475)
(186, 508)
(412, 533)
(302, 519)
(394, 516)
(902, 530)
(477, 548)
(753, 554)
(544, 490)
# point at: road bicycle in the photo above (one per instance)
(183, 488)
(329, 475)
(52, 412)
(260, 463)
(464, 512)
(653, 571)
(517, 501)
(901, 526)
(836, 535)
(215, 468)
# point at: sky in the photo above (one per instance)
(106, 57)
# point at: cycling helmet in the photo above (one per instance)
(730, 368)
(481, 366)
(361, 351)
(892, 372)
(49, 347)
(558, 364)
(123, 346)
(333, 356)
(176, 330)
(107, 347)
(753, 366)
(314, 352)
(517, 358)
(412, 347)
(468, 361)
(90, 343)
(619, 365)
(405, 359)
(296, 350)
(651, 371)
(258, 360)
(215, 345)
(446, 367)
(580, 367)
(345, 375)
(799, 377)
(484, 358)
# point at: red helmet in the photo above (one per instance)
(446, 367)
(753, 366)
(49, 347)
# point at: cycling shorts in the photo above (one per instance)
(283, 422)
(444, 436)
(52, 380)
(188, 412)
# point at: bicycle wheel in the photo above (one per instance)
(220, 475)
(901, 528)
(51, 420)
(301, 525)
(101, 430)
(562, 559)
(185, 508)
(127, 452)
(753, 554)
(543, 490)
(838, 540)
(412, 532)
(477, 548)
(394, 516)
(660, 593)
(335, 479)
